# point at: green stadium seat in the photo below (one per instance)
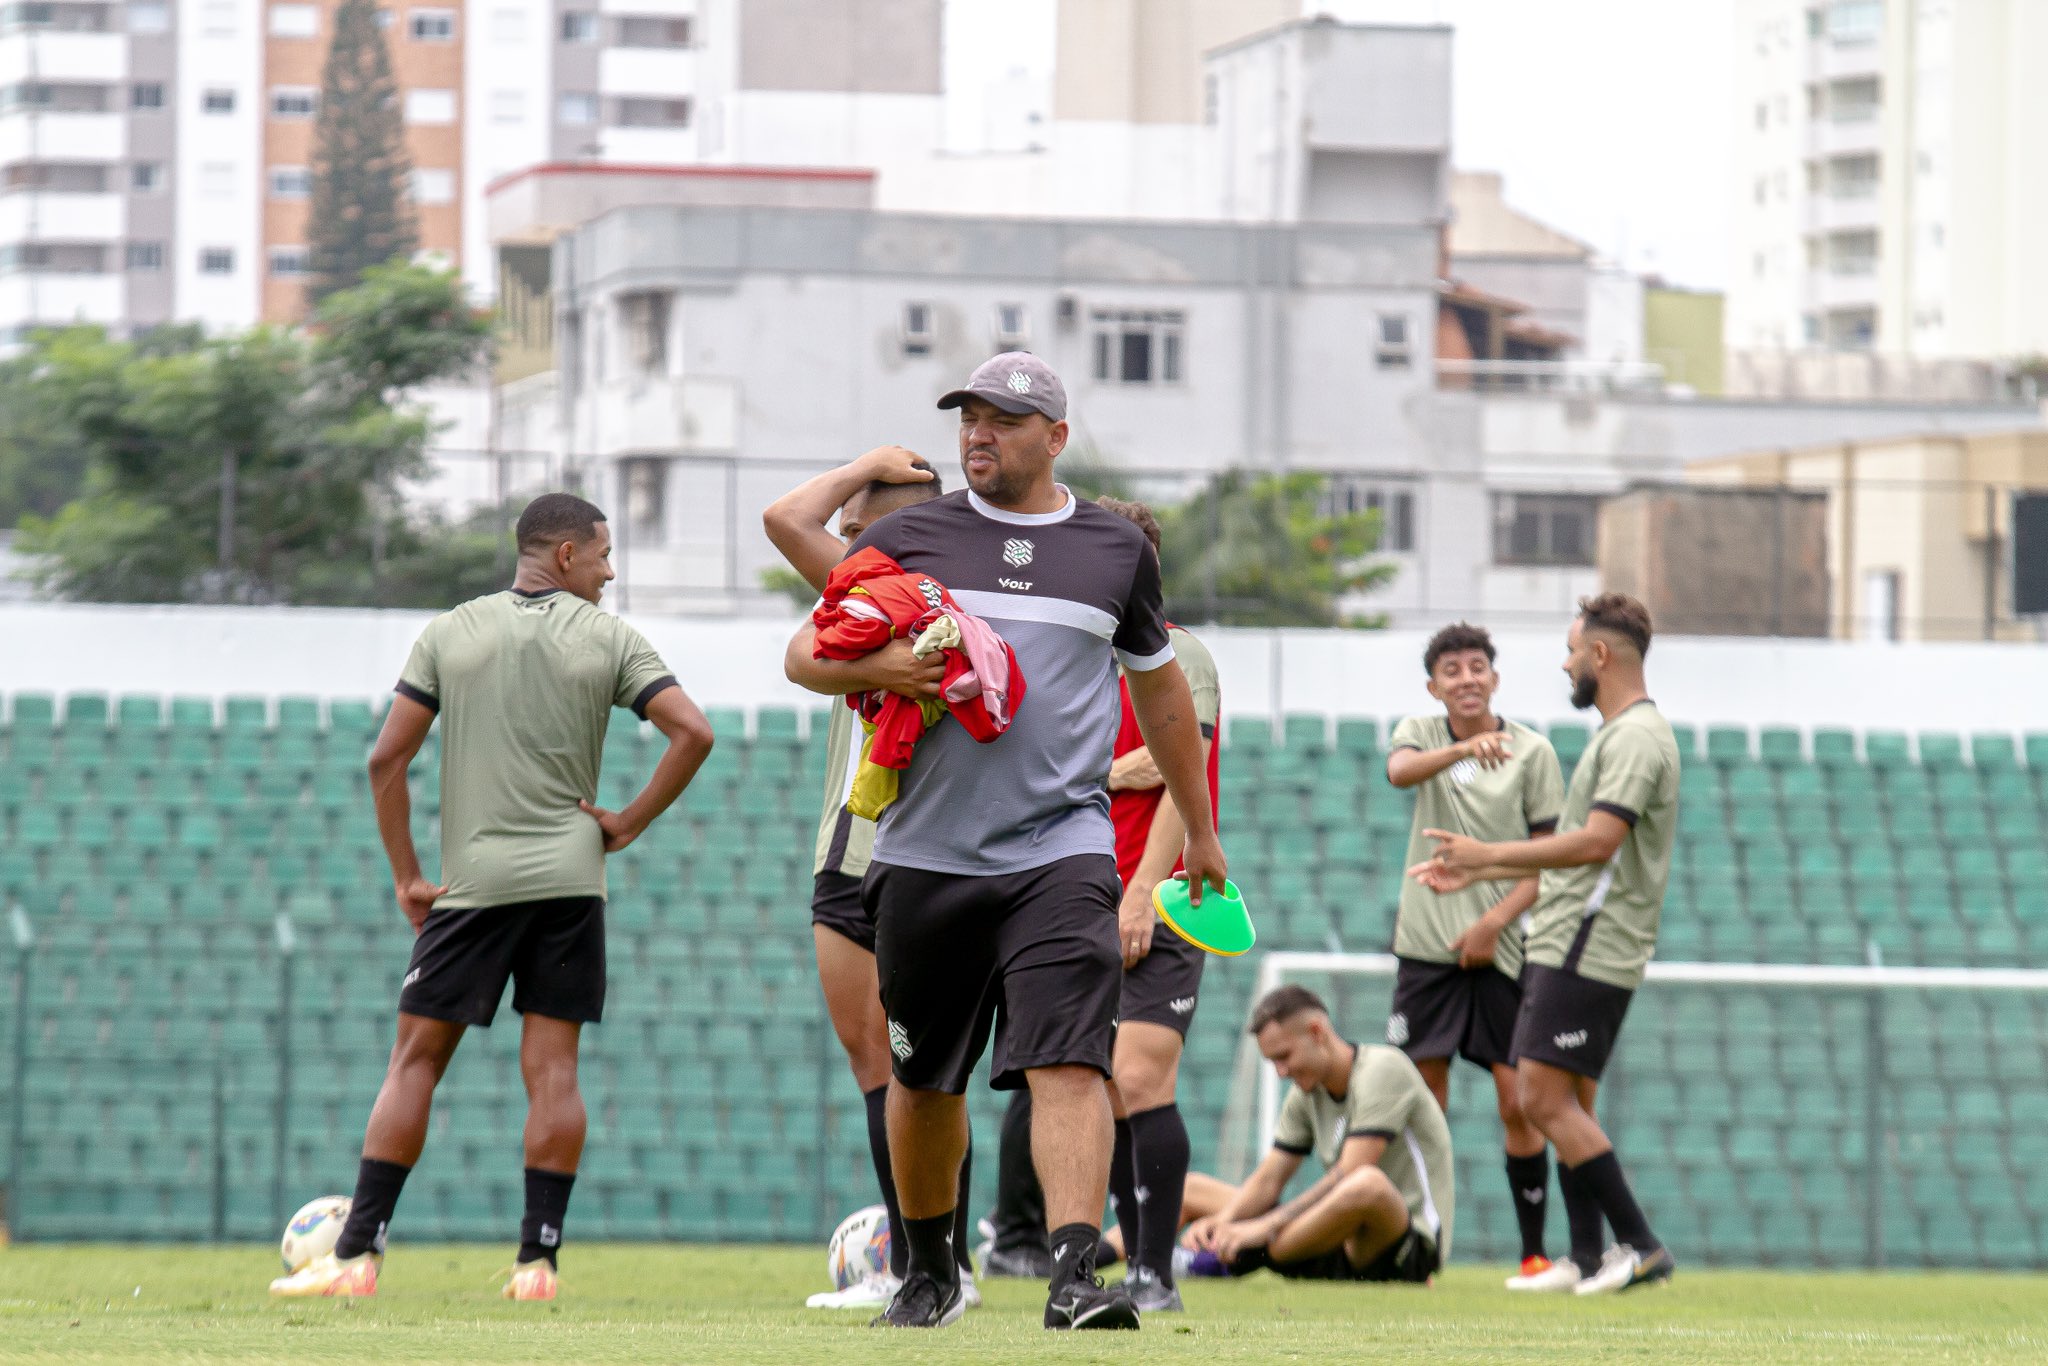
(31, 711)
(1569, 739)
(1357, 737)
(1884, 749)
(1993, 752)
(1834, 748)
(1727, 744)
(85, 710)
(1940, 749)
(1688, 738)
(1780, 747)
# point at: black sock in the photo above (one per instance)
(931, 1248)
(1123, 1190)
(1609, 1188)
(1019, 1215)
(962, 1203)
(377, 1186)
(885, 1176)
(1529, 1188)
(1073, 1252)
(1160, 1137)
(547, 1202)
(1582, 1218)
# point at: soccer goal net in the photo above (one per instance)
(1767, 1113)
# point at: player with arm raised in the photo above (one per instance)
(1383, 1208)
(1592, 933)
(1458, 987)
(523, 682)
(994, 884)
(861, 492)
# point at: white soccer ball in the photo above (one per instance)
(312, 1231)
(859, 1247)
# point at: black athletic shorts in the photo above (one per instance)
(1163, 987)
(836, 904)
(1411, 1259)
(552, 951)
(1031, 955)
(1444, 1011)
(1567, 1020)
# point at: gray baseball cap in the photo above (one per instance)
(1016, 382)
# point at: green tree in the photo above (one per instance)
(42, 465)
(1261, 550)
(361, 210)
(265, 466)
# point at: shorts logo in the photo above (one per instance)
(1572, 1040)
(899, 1041)
(1397, 1029)
(1464, 771)
(1017, 554)
(410, 978)
(1020, 383)
(1181, 1005)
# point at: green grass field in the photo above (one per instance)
(704, 1304)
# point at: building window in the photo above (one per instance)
(1011, 327)
(577, 110)
(1855, 21)
(146, 95)
(217, 101)
(146, 177)
(634, 111)
(290, 182)
(431, 25)
(1544, 528)
(579, 26)
(508, 24)
(148, 16)
(290, 261)
(145, 256)
(918, 331)
(293, 101)
(294, 21)
(650, 30)
(646, 481)
(217, 18)
(431, 186)
(1392, 353)
(1395, 504)
(430, 106)
(216, 261)
(1139, 347)
(217, 179)
(643, 327)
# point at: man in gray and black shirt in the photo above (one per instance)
(994, 885)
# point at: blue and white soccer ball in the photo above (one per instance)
(859, 1247)
(312, 1231)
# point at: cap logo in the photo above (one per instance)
(1020, 382)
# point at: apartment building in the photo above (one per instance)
(1885, 197)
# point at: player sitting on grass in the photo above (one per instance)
(861, 493)
(1459, 984)
(1382, 1210)
(524, 682)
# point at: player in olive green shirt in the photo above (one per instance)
(524, 682)
(1594, 929)
(861, 492)
(1384, 1206)
(1458, 989)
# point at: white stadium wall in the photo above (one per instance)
(217, 651)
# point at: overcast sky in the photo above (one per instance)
(1609, 118)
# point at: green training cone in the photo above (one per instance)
(1220, 925)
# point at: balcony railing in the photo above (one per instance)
(1551, 376)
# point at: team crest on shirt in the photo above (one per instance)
(1017, 554)
(1464, 771)
(1397, 1029)
(933, 594)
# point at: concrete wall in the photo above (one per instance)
(1682, 331)
(1720, 562)
(168, 651)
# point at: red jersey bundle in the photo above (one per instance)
(870, 601)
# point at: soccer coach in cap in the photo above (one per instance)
(994, 884)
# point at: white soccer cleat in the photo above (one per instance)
(329, 1276)
(1558, 1278)
(872, 1292)
(970, 1293)
(1623, 1268)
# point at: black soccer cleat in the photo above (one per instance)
(922, 1303)
(1020, 1262)
(1088, 1303)
(1150, 1294)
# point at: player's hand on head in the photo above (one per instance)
(1135, 920)
(416, 898)
(895, 465)
(894, 668)
(618, 832)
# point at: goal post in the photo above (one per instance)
(1768, 1112)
